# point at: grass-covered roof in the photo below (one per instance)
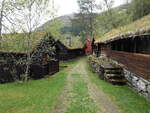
(139, 27)
(75, 43)
(18, 42)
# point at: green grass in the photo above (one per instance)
(128, 100)
(38, 96)
(80, 101)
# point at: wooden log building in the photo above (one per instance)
(43, 60)
(131, 50)
(45, 54)
(65, 53)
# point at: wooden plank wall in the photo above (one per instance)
(136, 63)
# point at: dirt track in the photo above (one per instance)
(103, 103)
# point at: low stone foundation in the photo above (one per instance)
(139, 84)
(107, 70)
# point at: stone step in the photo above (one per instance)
(110, 67)
(117, 81)
(113, 72)
(111, 75)
(114, 77)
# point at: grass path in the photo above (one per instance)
(63, 103)
(74, 89)
(86, 93)
(102, 100)
(80, 95)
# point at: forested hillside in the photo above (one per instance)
(67, 24)
(65, 21)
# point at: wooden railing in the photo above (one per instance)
(136, 63)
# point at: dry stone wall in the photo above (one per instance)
(139, 84)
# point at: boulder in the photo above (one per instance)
(141, 85)
(148, 89)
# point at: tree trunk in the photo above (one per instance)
(1, 19)
(27, 67)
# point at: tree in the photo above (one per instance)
(54, 28)
(111, 18)
(86, 18)
(31, 14)
(139, 8)
(7, 9)
(1, 17)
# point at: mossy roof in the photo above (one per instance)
(18, 43)
(139, 27)
(75, 44)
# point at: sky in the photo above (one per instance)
(65, 7)
(71, 6)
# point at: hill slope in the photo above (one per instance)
(139, 27)
(65, 21)
(67, 27)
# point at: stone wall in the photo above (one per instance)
(134, 81)
(139, 84)
(95, 66)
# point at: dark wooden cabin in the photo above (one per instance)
(133, 51)
(129, 45)
(44, 61)
(64, 53)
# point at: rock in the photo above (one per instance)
(98, 69)
(127, 75)
(129, 78)
(135, 78)
(144, 93)
(145, 81)
(148, 89)
(141, 85)
(134, 81)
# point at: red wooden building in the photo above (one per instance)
(88, 48)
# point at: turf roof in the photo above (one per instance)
(18, 43)
(75, 44)
(139, 27)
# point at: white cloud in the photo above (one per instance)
(66, 6)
